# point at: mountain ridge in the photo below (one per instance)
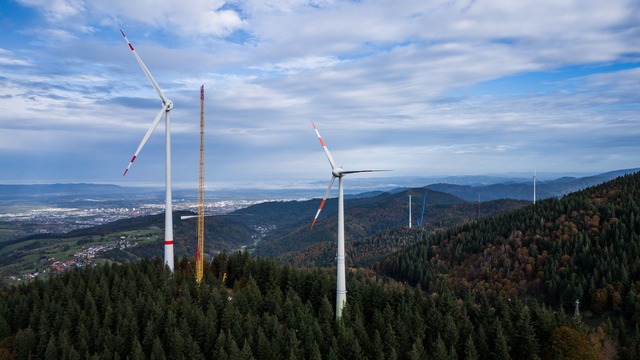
(378, 184)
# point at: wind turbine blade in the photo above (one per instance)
(155, 123)
(144, 68)
(326, 194)
(360, 171)
(324, 146)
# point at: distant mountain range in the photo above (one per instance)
(80, 195)
(13, 191)
(489, 187)
(524, 190)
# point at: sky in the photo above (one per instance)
(423, 88)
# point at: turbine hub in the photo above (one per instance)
(337, 172)
(169, 104)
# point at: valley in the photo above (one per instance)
(65, 221)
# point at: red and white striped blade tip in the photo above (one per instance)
(318, 212)
(130, 163)
(324, 199)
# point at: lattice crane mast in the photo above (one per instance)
(200, 246)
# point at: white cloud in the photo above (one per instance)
(9, 58)
(188, 18)
(291, 66)
(261, 6)
(435, 84)
(57, 10)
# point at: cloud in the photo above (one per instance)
(57, 10)
(420, 87)
(291, 66)
(195, 17)
(9, 58)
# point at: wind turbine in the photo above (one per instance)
(424, 202)
(534, 187)
(167, 105)
(409, 211)
(534, 184)
(337, 172)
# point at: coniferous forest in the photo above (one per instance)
(502, 287)
(266, 311)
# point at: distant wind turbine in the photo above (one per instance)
(337, 172)
(409, 211)
(424, 202)
(534, 185)
(167, 105)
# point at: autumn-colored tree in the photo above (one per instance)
(567, 343)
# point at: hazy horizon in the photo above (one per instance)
(358, 183)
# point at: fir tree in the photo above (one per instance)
(525, 344)
(440, 350)
(501, 346)
(470, 352)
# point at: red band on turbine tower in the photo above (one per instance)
(168, 242)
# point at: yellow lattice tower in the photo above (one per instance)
(200, 246)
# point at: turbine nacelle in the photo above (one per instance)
(168, 104)
(338, 172)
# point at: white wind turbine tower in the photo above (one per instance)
(409, 211)
(167, 105)
(534, 184)
(337, 172)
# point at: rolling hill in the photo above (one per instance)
(585, 246)
(144, 236)
(276, 229)
(365, 217)
(365, 249)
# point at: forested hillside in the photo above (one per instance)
(585, 246)
(366, 217)
(363, 251)
(363, 217)
(264, 311)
